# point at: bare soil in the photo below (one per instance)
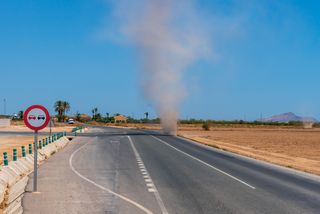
(291, 147)
(8, 143)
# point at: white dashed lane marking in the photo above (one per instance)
(144, 209)
(149, 183)
(151, 190)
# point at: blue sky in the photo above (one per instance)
(266, 59)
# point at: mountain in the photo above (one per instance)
(287, 117)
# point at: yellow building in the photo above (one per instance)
(120, 119)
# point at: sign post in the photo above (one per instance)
(36, 117)
(50, 125)
(35, 162)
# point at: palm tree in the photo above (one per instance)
(20, 115)
(58, 107)
(66, 108)
(147, 115)
(94, 113)
(78, 116)
(61, 107)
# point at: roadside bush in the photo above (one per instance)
(206, 126)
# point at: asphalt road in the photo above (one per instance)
(125, 171)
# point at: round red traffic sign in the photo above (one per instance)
(36, 117)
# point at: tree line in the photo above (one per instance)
(62, 107)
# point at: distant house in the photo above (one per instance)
(120, 119)
(308, 124)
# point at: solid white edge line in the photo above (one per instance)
(156, 192)
(102, 187)
(272, 166)
(205, 163)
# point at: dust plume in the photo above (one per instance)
(169, 36)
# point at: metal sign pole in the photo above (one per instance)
(50, 125)
(35, 172)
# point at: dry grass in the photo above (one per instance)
(290, 147)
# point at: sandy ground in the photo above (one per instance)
(290, 147)
(9, 142)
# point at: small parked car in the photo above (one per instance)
(71, 121)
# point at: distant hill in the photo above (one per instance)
(287, 117)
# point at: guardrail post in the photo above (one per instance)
(23, 148)
(30, 148)
(15, 154)
(5, 159)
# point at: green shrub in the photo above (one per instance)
(206, 126)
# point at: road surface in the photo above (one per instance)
(126, 171)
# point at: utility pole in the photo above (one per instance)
(4, 106)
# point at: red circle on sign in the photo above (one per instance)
(26, 119)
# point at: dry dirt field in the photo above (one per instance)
(9, 142)
(291, 147)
